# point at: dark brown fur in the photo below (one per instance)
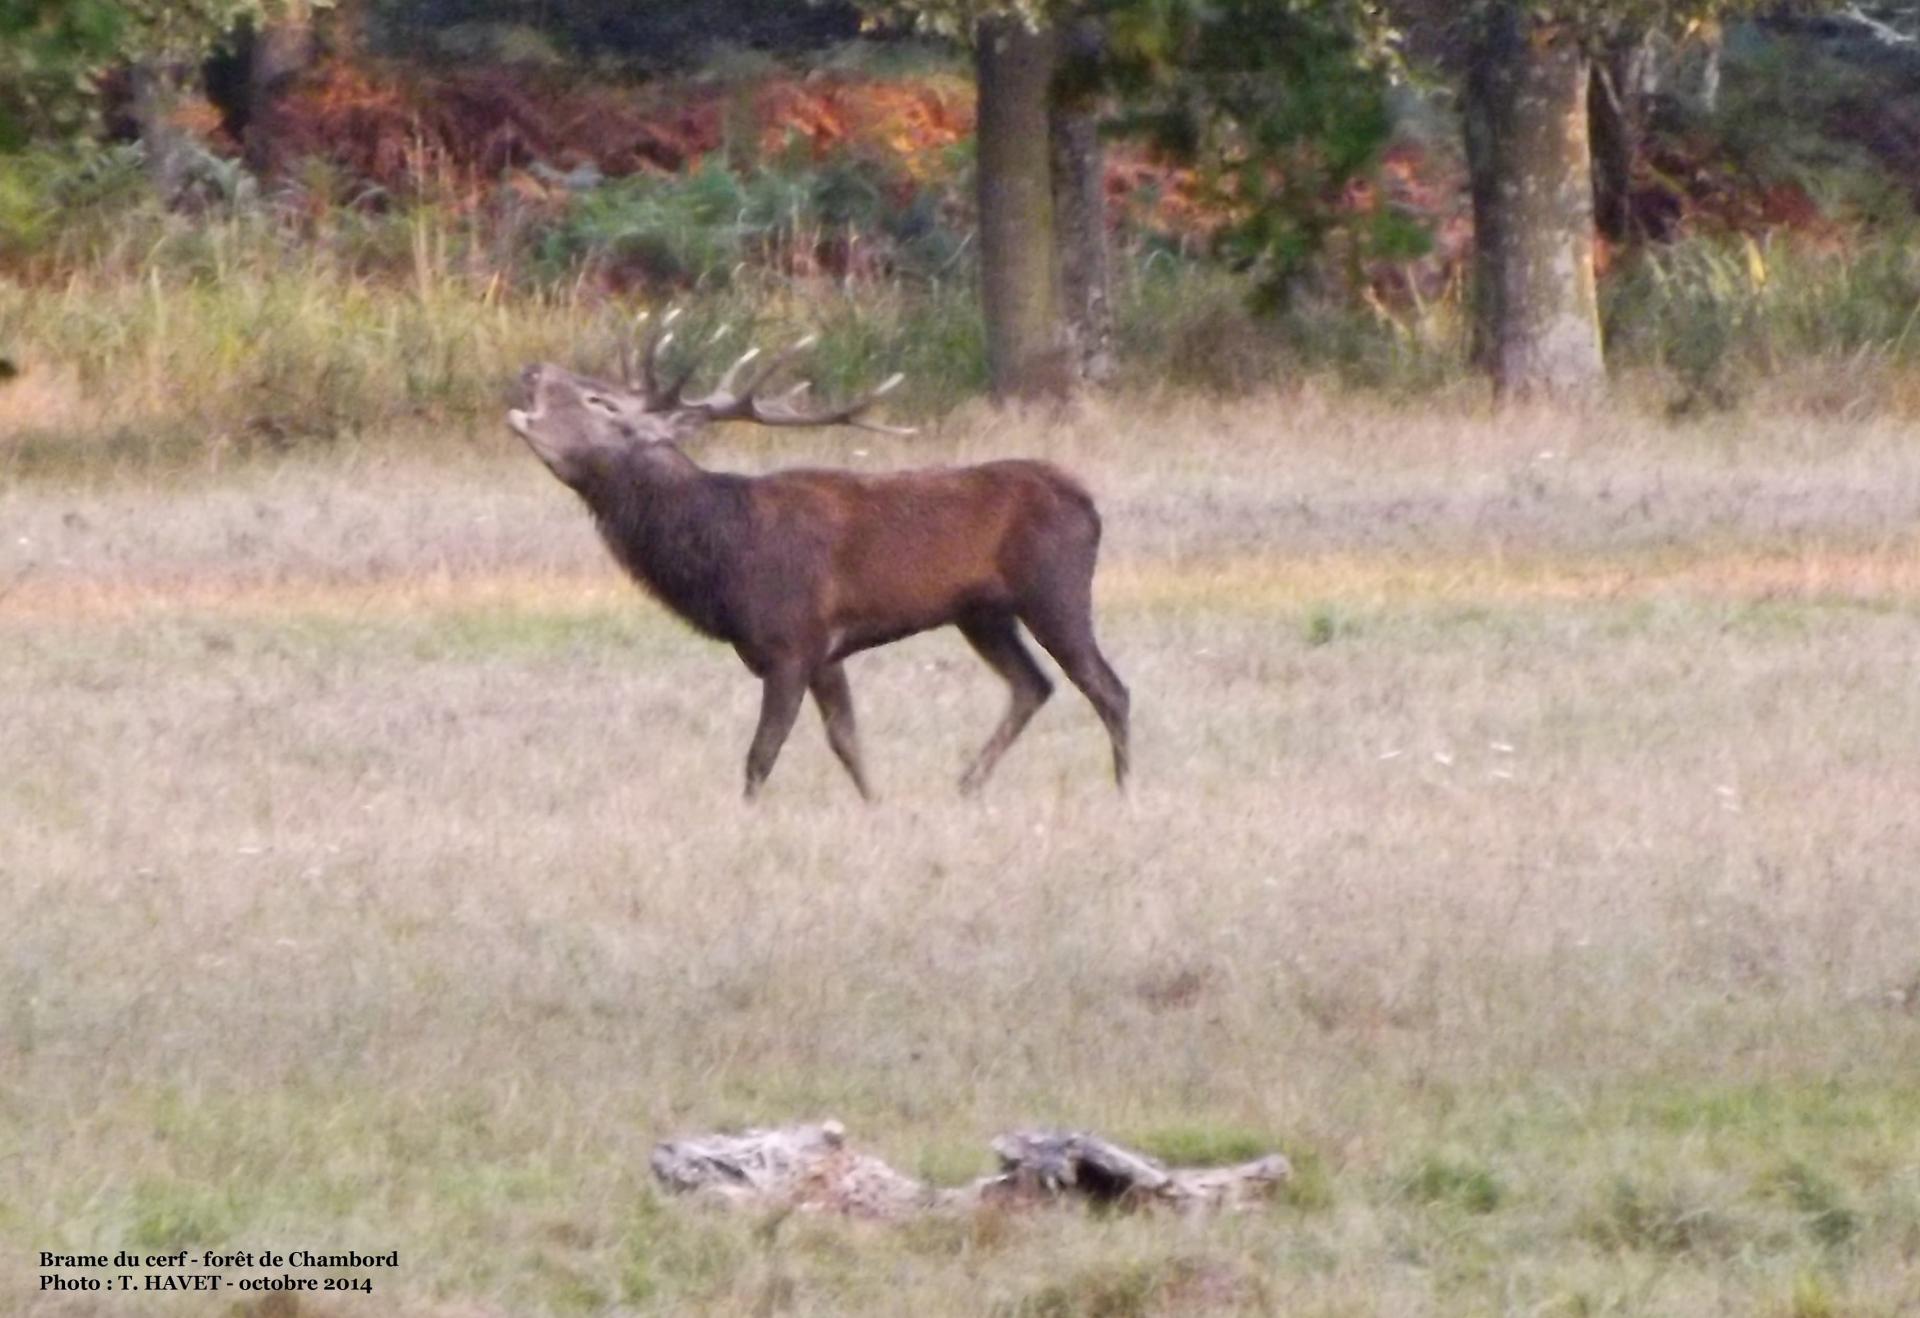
(800, 569)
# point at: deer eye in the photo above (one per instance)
(596, 401)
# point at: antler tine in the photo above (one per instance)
(724, 390)
(670, 399)
(632, 336)
(775, 364)
(781, 413)
(733, 401)
(728, 403)
(657, 398)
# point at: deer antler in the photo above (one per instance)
(731, 401)
(647, 383)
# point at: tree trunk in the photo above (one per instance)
(1488, 74)
(1080, 220)
(348, 29)
(282, 51)
(1080, 210)
(168, 152)
(1712, 39)
(1025, 358)
(1537, 325)
(1617, 116)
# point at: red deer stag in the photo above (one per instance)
(799, 569)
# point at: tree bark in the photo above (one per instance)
(1489, 71)
(1712, 38)
(1080, 220)
(1617, 116)
(1025, 356)
(1080, 211)
(167, 150)
(1537, 324)
(282, 51)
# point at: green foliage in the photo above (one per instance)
(1600, 17)
(48, 49)
(52, 51)
(698, 228)
(1283, 108)
(1798, 111)
(187, 29)
(955, 20)
(1717, 313)
(63, 200)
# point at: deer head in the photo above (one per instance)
(572, 422)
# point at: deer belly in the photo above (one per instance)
(861, 624)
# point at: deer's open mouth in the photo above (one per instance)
(527, 394)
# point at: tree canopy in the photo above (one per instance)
(1281, 107)
(53, 51)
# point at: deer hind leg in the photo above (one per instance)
(996, 639)
(1063, 624)
(781, 692)
(835, 699)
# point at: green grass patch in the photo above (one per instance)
(1825, 1212)
(1776, 1111)
(692, 1254)
(163, 1213)
(1633, 1215)
(1204, 1145)
(1455, 1181)
(1118, 1290)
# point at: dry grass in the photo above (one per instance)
(1522, 842)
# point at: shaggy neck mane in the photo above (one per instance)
(675, 527)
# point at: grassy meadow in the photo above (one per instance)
(1523, 841)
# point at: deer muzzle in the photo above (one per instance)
(527, 395)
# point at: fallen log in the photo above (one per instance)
(1055, 1164)
(811, 1168)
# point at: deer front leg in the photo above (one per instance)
(781, 692)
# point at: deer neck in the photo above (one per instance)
(678, 529)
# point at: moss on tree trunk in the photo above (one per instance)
(1025, 355)
(1537, 325)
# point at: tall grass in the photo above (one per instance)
(311, 316)
(1721, 316)
(268, 357)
